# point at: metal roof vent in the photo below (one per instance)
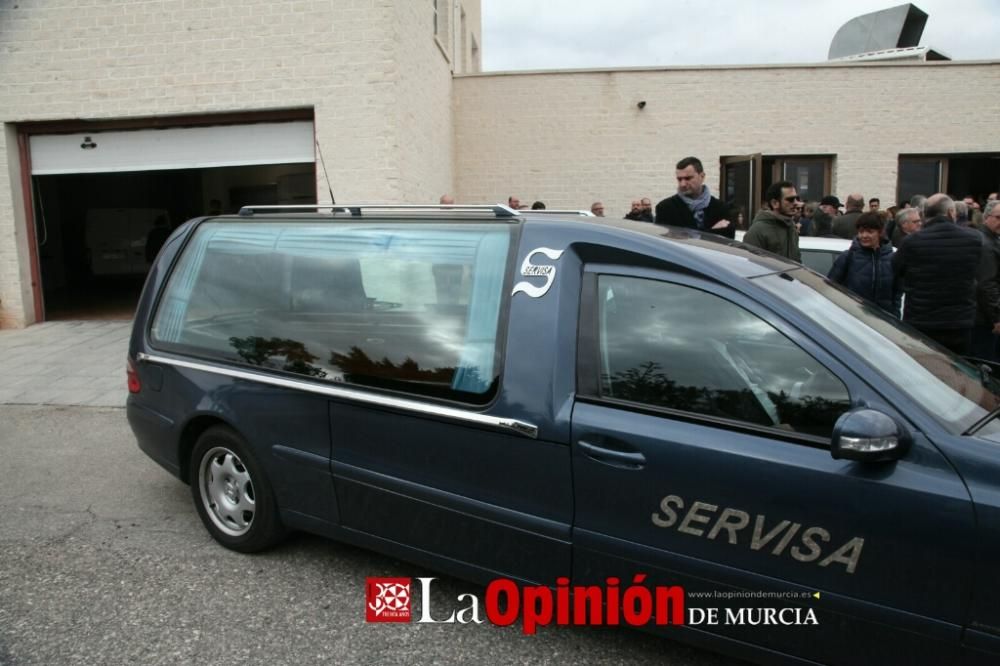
(898, 27)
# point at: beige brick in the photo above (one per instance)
(380, 88)
(572, 138)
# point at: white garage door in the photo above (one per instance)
(173, 148)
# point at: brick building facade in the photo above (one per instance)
(400, 113)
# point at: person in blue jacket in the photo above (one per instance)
(866, 268)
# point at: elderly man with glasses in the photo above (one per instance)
(773, 228)
(907, 221)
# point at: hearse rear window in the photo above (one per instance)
(410, 307)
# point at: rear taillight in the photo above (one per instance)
(134, 385)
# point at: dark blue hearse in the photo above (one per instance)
(494, 393)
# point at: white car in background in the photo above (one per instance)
(817, 253)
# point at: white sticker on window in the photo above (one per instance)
(529, 269)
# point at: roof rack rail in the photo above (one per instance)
(357, 210)
(561, 211)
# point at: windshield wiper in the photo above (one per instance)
(983, 421)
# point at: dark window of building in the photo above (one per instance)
(919, 176)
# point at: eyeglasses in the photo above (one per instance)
(791, 199)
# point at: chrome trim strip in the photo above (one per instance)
(356, 210)
(520, 427)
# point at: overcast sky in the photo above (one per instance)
(564, 34)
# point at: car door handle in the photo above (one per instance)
(625, 459)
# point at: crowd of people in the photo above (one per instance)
(932, 261)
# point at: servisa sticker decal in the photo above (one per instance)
(529, 269)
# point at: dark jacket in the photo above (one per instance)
(639, 216)
(938, 267)
(897, 235)
(843, 225)
(672, 211)
(868, 273)
(805, 226)
(774, 234)
(988, 289)
(822, 225)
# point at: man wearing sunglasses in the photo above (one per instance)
(773, 228)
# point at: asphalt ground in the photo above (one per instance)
(103, 560)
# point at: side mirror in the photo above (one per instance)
(868, 435)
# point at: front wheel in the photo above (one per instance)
(232, 493)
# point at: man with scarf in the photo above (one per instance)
(694, 206)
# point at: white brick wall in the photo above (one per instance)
(380, 88)
(395, 126)
(575, 137)
(423, 114)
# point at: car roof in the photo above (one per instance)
(824, 243)
(706, 252)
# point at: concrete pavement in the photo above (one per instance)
(65, 363)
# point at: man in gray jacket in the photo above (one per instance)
(843, 226)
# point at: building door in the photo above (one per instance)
(740, 183)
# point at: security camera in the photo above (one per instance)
(642, 104)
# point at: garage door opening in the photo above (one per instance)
(92, 229)
(103, 201)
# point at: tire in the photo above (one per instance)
(232, 494)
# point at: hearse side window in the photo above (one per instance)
(409, 307)
(670, 345)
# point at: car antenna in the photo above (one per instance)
(326, 174)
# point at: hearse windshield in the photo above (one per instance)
(957, 393)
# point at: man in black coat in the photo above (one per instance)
(694, 206)
(939, 267)
(987, 328)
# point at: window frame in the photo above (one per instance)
(769, 168)
(444, 32)
(490, 398)
(589, 353)
(778, 171)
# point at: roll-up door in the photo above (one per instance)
(172, 148)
